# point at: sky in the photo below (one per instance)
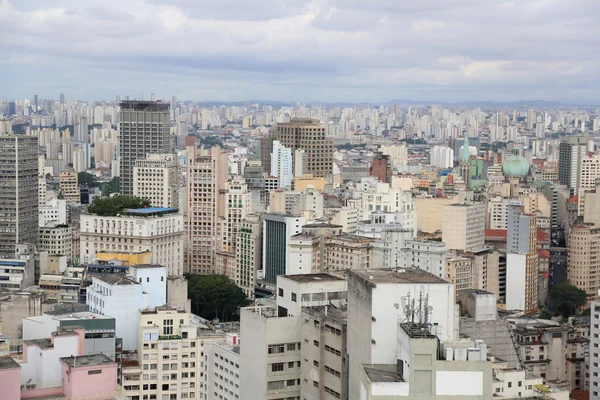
(296, 50)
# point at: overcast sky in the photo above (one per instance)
(296, 50)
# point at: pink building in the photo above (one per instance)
(57, 367)
(10, 378)
(89, 377)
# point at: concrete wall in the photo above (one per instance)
(430, 212)
(515, 281)
(16, 306)
(177, 290)
(154, 283)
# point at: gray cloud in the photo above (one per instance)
(351, 50)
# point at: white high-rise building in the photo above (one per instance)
(378, 300)
(442, 157)
(594, 363)
(156, 178)
(281, 164)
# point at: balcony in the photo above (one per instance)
(169, 337)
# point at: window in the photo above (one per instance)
(275, 349)
(291, 382)
(294, 297)
(316, 343)
(275, 385)
(278, 367)
(94, 372)
(291, 347)
(280, 292)
(509, 384)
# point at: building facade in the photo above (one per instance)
(156, 178)
(143, 129)
(18, 190)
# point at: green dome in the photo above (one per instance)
(515, 165)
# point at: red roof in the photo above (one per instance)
(542, 253)
(580, 395)
(498, 235)
(542, 236)
(573, 200)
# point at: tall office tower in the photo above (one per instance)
(463, 226)
(18, 190)
(309, 135)
(571, 151)
(265, 150)
(84, 132)
(206, 179)
(173, 106)
(281, 164)
(277, 231)
(144, 129)
(237, 206)
(530, 118)
(156, 178)
(521, 260)
(35, 103)
(381, 167)
(584, 259)
(62, 98)
(248, 253)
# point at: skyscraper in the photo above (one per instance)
(206, 180)
(144, 129)
(62, 98)
(571, 151)
(281, 164)
(18, 190)
(309, 135)
(521, 260)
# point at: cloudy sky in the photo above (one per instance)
(297, 50)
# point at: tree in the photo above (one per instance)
(215, 296)
(111, 206)
(87, 179)
(566, 299)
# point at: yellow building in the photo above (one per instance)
(459, 272)
(302, 182)
(127, 259)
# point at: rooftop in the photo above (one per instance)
(382, 373)
(400, 275)
(324, 225)
(146, 266)
(149, 211)
(87, 361)
(305, 278)
(117, 279)
(41, 343)
(8, 363)
(61, 315)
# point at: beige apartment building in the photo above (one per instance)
(206, 182)
(69, 186)
(156, 178)
(237, 207)
(170, 362)
(57, 240)
(584, 259)
(309, 135)
(348, 251)
(463, 226)
(459, 272)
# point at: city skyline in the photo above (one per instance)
(328, 51)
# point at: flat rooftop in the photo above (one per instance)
(8, 363)
(65, 316)
(87, 361)
(382, 373)
(149, 210)
(400, 275)
(304, 278)
(116, 279)
(147, 266)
